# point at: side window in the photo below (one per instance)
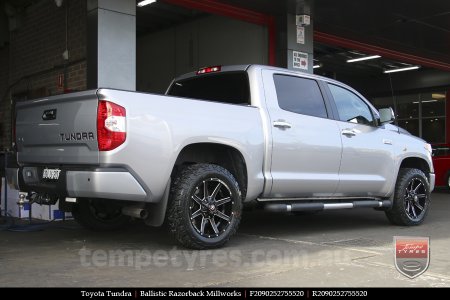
(300, 95)
(350, 107)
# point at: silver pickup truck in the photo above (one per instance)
(221, 138)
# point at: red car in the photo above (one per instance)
(441, 162)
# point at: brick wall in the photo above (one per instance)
(35, 55)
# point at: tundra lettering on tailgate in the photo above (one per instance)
(77, 136)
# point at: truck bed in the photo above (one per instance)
(158, 127)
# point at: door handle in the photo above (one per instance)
(281, 124)
(348, 132)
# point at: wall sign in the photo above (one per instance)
(300, 35)
(300, 60)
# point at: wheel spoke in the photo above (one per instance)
(202, 226)
(205, 190)
(417, 187)
(409, 189)
(196, 214)
(421, 195)
(413, 211)
(419, 206)
(223, 201)
(214, 226)
(216, 190)
(197, 199)
(222, 216)
(408, 206)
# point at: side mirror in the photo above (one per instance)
(386, 115)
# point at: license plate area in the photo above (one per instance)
(37, 180)
(51, 174)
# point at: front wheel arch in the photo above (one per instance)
(415, 163)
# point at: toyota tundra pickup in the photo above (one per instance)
(220, 138)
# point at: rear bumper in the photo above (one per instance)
(110, 183)
(104, 184)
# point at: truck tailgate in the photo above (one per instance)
(60, 129)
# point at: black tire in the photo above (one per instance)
(447, 182)
(199, 219)
(99, 214)
(411, 198)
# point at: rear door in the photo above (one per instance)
(306, 144)
(58, 130)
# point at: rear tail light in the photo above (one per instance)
(111, 125)
(209, 70)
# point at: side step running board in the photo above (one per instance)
(317, 206)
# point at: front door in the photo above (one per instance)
(367, 166)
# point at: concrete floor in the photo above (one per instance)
(351, 248)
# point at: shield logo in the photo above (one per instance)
(412, 255)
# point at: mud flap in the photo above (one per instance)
(157, 211)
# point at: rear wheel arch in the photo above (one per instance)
(222, 155)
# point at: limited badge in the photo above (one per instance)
(412, 255)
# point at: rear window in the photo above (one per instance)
(223, 87)
(300, 95)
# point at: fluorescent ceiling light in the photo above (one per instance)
(401, 69)
(316, 66)
(363, 58)
(426, 101)
(438, 96)
(145, 2)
